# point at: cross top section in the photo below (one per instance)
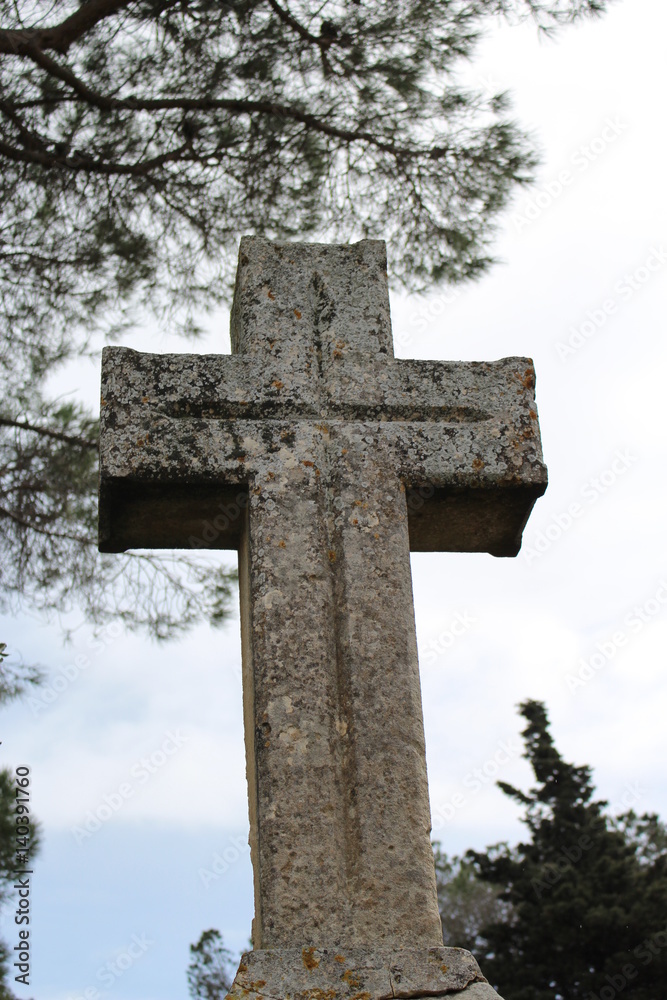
(312, 301)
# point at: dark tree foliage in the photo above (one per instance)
(587, 893)
(48, 534)
(467, 905)
(138, 140)
(211, 968)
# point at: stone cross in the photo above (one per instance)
(324, 460)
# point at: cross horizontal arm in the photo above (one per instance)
(219, 387)
(184, 435)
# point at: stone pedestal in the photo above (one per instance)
(359, 974)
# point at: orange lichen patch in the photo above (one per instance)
(317, 472)
(243, 967)
(271, 475)
(355, 521)
(527, 380)
(344, 451)
(103, 401)
(443, 968)
(322, 427)
(276, 384)
(532, 414)
(337, 354)
(361, 996)
(309, 959)
(240, 458)
(477, 463)
(353, 980)
(144, 399)
(317, 994)
(332, 555)
(281, 544)
(339, 958)
(305, 461)
(270, 294)
(357, 503)
(297, 314)
(256, 985)
(142, 441)
(376, 534)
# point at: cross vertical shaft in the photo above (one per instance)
(317, 433)
(336, 772)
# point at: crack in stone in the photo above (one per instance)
(417, 994)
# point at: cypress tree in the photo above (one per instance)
(586, 893)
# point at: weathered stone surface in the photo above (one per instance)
(359, 974)
(480, 991)
(185, 435)
(323, 458)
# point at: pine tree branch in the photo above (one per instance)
(31, 526)
(233, 105)
(288, 19)
(60, 72)
(323, 41)
(28, 138)
(59, 37)
(79, 162)
(24, 425)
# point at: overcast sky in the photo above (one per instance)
(578, 619)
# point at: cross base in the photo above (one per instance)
(359, 974)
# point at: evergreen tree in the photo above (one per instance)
(467, 905)
(138, 140)
(587, 893)
(211, 968)
(48, 533)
